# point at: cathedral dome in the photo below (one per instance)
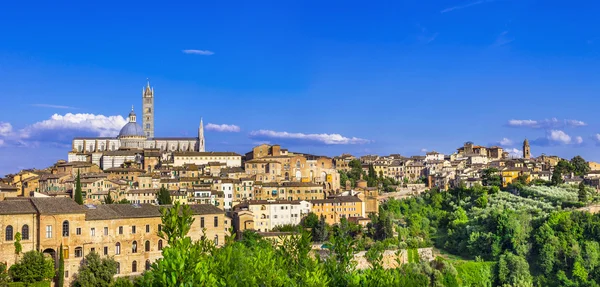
(132, 129)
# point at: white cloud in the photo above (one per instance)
(5, 129)
(329, 139)
(514, 153)
(546, 123)
(423, 150)
(53, 106)
(596, 138)
(458, 7)
(559, 136)
(198, 52)
(578, 140)
(505, 142)
(1, 142)
(222, 128)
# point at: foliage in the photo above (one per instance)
(286, 228)
(164, 196)
(123, 201)
(310, 220)
(60, 272)
(582, 193)
(3, 274)
(122, 282)
(320, 232)
(557, 177)
(108, 199)
(491, 177)
(78, 194)
(33, 267)
(18, 246)
(579, 166)
(95, 271)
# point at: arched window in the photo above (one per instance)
(117, 249)
(298, 164)
(118, 268)
(134, 266)
(148, 265)
(287, 176)
(25, 232)
(9, 233)
(160, 245)
(134, 247)
(147, 246)
(65, 231)
(216, 239)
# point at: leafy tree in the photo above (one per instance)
(164, 196)
(513, 270)
(491, 177)
(123, 201)
(96, 271)
(108, 199)
(18, 246)
(3, 275)
(564, 166)
(310, 220)
(582, 193)
(60, 273)
(579, 166)
(78, 193)
(557, 177)
(122, 282)
(320, 232)
(33, 267)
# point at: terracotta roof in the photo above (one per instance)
(211, 153)
(337, 199)
(7, 187)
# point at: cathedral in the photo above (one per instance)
(133, 139)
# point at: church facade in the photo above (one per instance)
(133, 139)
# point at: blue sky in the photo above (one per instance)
(337, 76)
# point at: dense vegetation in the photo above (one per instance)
(373, 179)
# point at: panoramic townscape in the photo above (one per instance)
(109, 198)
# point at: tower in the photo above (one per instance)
(148, 110)
(526, 150)
(201, 136)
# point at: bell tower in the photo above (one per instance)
(148, 110)
(201, 136)
(526, 150)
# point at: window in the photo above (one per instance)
(78, 252)
(120, 229)
(66, 273)
(118, 268)
(92, 249)
(201, 222)
(105, 250)
(134, 266)
(93, 231)
(133, 229)
(147, 228)
(9, 233)
(134, 247)
(48, 231)
(78, 230)
(117, 248)
(216, 239)
(160, 245)
(65, 228)
(106, 231)
(25, 232)
(147, 246)
(216, 221)
(148, 265)
(159, 228)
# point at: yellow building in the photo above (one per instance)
(511, 174)
(128, 233)
(337, 207)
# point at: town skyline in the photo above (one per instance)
(411, 77)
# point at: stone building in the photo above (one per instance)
(128, 233)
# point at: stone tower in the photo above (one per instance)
(526, 150)
(148, 110)
(201, 136)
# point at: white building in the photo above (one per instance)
(230, 159)
(271, 213)
(434, 156)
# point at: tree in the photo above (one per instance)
(582, 193)
(310, 220)
(319, 232)
(78, 194)
(164, 196)
(33, 267)
(123, 201)
(3, 275)
(122, 282)
(579, 166)
(557, 177)
(18, 246)
(96, 271)
(108, 199)
(490, 177)
(60, 273)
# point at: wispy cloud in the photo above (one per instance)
(514, 153)
(423, 150)
(328, 139)
(546, 123)
(458, 7)
(198, 52)
(425, 36)
(505, 142)
(503, 39)
(53, 106)
(557, 137)
(222, 128)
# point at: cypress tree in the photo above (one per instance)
(108, 199)
(164, 196)
(78, 195)
(60, 274)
